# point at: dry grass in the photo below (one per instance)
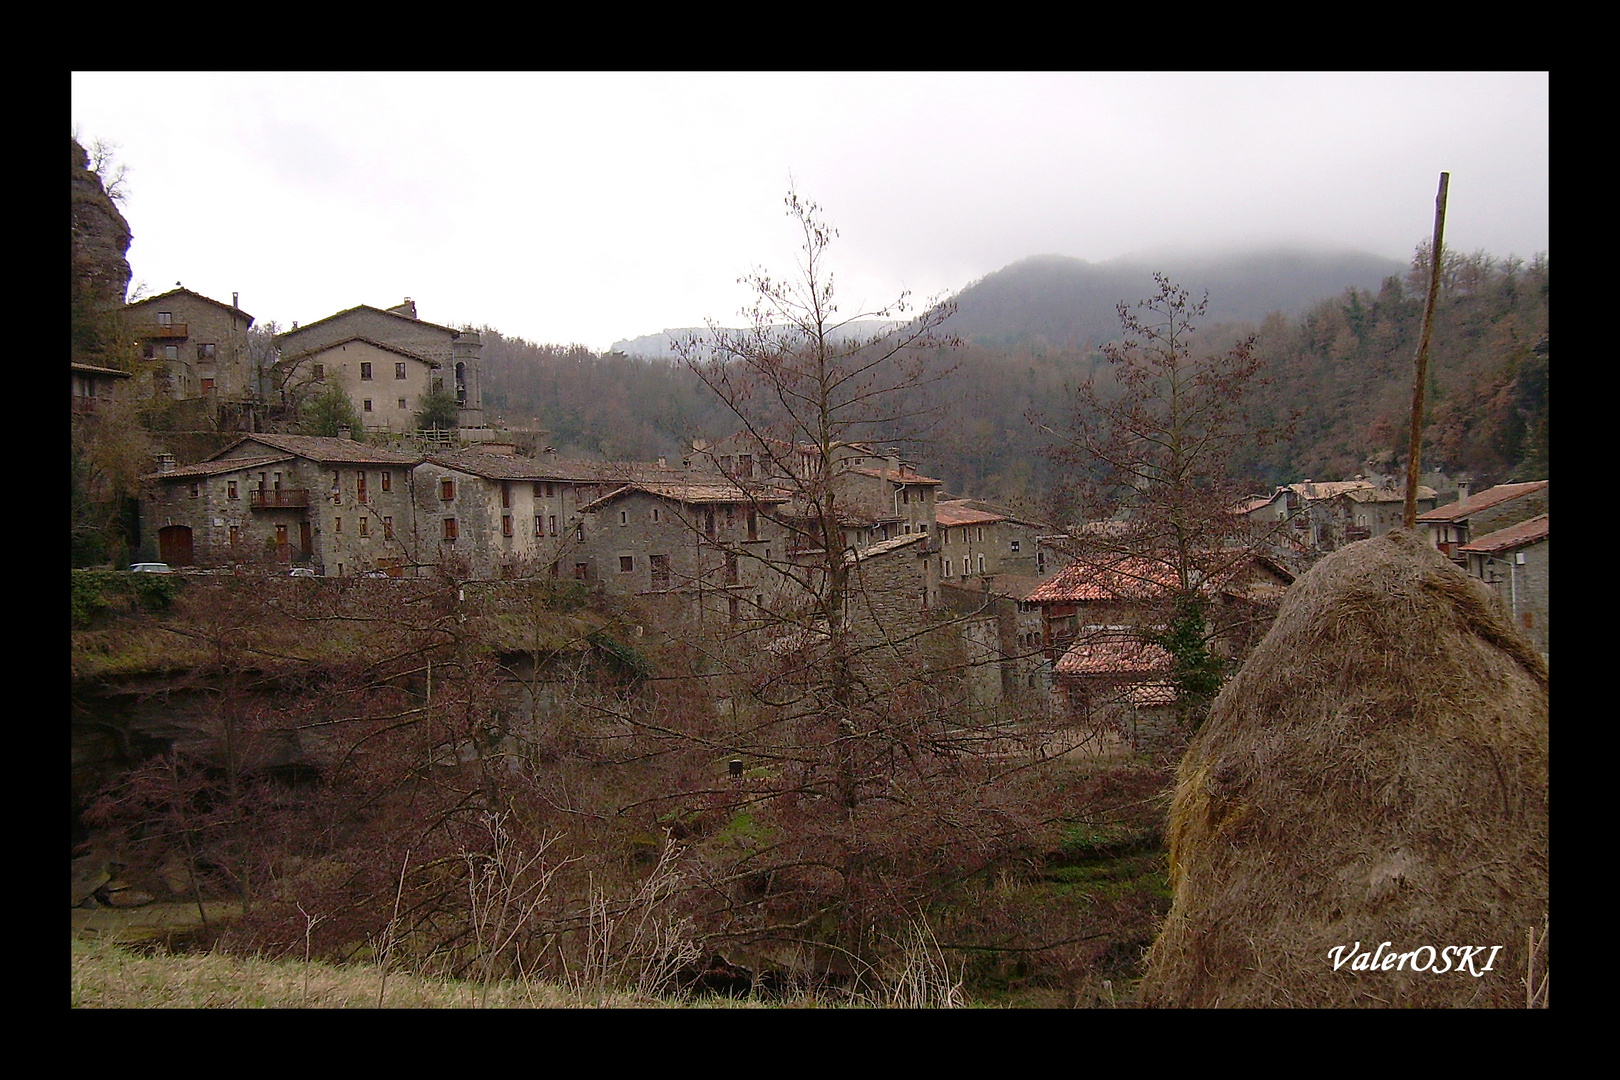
(1377, 772)
(108, 976)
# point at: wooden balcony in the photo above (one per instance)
(161, 330)
(278, 499)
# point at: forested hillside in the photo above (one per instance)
(1344, 365)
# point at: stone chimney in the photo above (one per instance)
(407, 309)
(165, 463)
(236, 300)
(894, 458)
(1464, 485)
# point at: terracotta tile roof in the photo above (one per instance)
(1113, 653)
(683, 488)
(1525, 532)
(883, 547)
(1501, 493)
(323, 449)
(1133, 578)
(1147, 694)
(217, 468)
(1127, 579)
(187, 292)
(895, 476)
(91, 369)
(1382, 495)
(364, 307)
(957, 512)
(516, 467)
(288, 357)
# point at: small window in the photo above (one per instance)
(1015, 546)
(579, 533)
(731, 568)
(399, 371)
(506, 495)
(165, 318)
(196, 490)
(388, 528)
(553, 520)
(236, 534)
(317, 371)
(207, 386)
(447, 490)
(506, 524)
(981, 564)
(206, 351)
(450, 530)
(981, 534)
(539, 525)
(360, 485)
(365, 526)
(581, 571)
(627, 564)
(387, 480)
(745, 466)
(171, 352)
(624, 517)
(660, 571)
(230, 489)
(365, 369)
(368, 404)
(402, 403)
(337, 525)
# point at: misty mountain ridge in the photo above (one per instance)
(1064, 300)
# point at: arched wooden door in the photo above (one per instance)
(174, 545)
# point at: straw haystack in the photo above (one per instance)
(1377, 772)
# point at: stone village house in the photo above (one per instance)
(1452, 526)
(383, 356)
(197, 347)
(338, 506)
(1515, 563)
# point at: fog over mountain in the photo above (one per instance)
(1060, 299)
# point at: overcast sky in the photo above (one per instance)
(589, 208)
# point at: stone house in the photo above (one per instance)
(1514, 562)
(975, 539)
(336, 505)
(413, 342)
(94, 388)
(498, 515)
(1326, 516)
(695, 538)
(197, 347)
(386, 382)
(1451, 527)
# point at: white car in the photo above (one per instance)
(150, 568)
(302, 571)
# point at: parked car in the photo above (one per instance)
(150, 568)
(302, 571)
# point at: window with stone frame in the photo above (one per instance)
(660, 571)
(451, 531)
(365, 370)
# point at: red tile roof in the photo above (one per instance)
(1113, 653)
(1501, 493)
(954, 512)
(1525, 532)
(217, 468)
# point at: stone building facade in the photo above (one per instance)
(338, 506)
(455, 351)
(1515, 563)
(1453, 526)
(193, 347)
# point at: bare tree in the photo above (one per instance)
(1145, 460)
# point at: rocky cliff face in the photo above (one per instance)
(100, 273)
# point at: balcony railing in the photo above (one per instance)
(278, 499)
(162, 330)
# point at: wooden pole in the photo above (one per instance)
(1414, 450)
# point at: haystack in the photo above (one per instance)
(1377, 772)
